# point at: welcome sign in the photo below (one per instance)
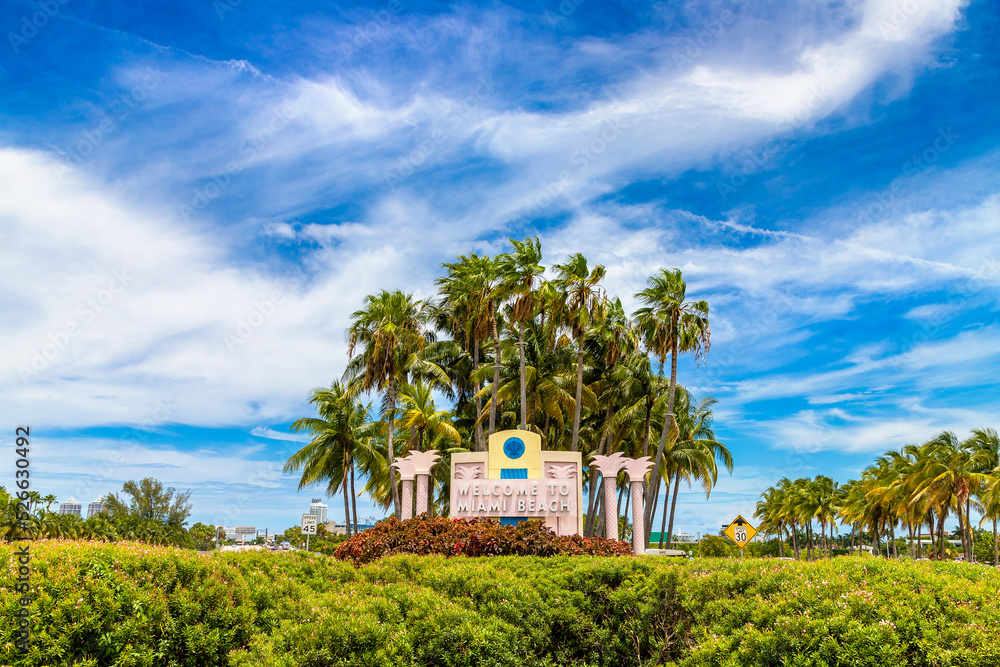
(515, 480)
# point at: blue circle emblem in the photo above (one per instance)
(513, 448)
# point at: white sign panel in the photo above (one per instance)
(309, 522)
(245, 530)
(551, 497)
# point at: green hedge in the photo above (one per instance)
(128, 604)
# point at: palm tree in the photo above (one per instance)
(989, 504)
(329, 456)
(985, 447)
(583, 302)
(695, 452)
(520, 270)
(948, 478)
(768, 509)
(669, 325)
(390, 327)
(419, 413)
(469, 306)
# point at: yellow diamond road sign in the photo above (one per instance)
(740, 531)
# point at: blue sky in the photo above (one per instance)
(195, 196)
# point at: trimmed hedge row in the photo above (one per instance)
(96, 604)
(425, 535)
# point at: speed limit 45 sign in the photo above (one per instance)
(309, 522)
(740, 531)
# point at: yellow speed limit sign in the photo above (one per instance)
(740, 531)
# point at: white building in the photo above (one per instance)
(71, 506)
(96, 507)
(319, 508)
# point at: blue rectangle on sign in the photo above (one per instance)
(513, 473)
(512, 520)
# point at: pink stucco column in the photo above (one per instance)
(637, 469)
(609, 467)
(422, 486)
(407, 472)
(422, 463)
(610, 508)
(638, 526)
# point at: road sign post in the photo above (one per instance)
(741, 532)
(309, 522)
(243, 531)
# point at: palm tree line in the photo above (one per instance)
(913, 488)
(511, 345)
(43, 523)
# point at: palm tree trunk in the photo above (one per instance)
(968, 527)
(795, 540)
(656, 502)
(524, 386)
(595, 506)
(645, 430)
(810, 555)
(996, 550)
(480, 440)
(663, 519)
(930, 527)
(892, 536)
(347, 501)
(961, 532)
(667, 418)
(940, 531)
(391, 453)
(354, 499)
(673, 506)
(496, 377)
(575, 439)
(588, 528)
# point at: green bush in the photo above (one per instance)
(132, 604)
(425, 535)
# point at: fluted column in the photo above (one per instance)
(637, 469)
(422, 463)
(407, 471)
(609, 467)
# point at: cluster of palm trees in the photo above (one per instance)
(914, 487)
(509, 345)
(43, 523)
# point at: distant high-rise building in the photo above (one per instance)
(71, 506)
(318, 507)
(96, 507)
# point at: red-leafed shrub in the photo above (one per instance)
(470, 537)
